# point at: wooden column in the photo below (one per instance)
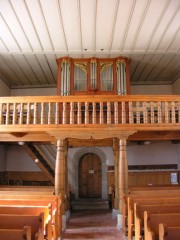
(123, 173)
(60, 172)
(116, 171)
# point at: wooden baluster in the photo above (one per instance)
(7, 113)
(152, 111)
(94, 113)
(178, 112)
(166, 112)
(79, 113)
(14, 114)
(145, 118)
(116, 113)
(173, 120)
(137, 112)
(50, 113)
(159, 112)
(35, 117)
(131, 119)
(57, 113)
(1, 113)
(21, 114)
(71, 113)
(108, 113)
(86, 112)
(42, 113)
(28, 114)
(64, 113)
(123, 113)
(101, 116)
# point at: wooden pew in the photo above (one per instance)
(152, 221)
(154, 199)
(168, 233)
(38, 200)
(15, 221)
(139, 214)
(12, 234)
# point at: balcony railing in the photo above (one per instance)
(130, 109)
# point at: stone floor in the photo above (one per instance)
(92, 224)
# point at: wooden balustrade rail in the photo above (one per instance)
(101, 109)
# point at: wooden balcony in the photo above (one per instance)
(84, 117)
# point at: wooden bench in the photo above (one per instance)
(152, 221)
(20, 234)
(38, 200)
(139, 214)
(168, 233)
(15, 221)
(158, 199)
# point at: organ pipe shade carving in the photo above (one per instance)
(106, 76)
(80, 77)
(121, 78)
(93, 75)
(65, 78)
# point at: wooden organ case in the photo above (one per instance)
(93, 76)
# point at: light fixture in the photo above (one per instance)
(21, 143)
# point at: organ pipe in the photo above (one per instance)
(65, 78)
(121, 78)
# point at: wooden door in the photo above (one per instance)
(90, 176)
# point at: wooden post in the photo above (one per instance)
(123, 172)
(60, 172)
(116, 172)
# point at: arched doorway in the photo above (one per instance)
(90, 177)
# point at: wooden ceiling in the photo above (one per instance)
(33, 33)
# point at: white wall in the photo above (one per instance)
(4, 89)
(34, 92)
(176, 87)
(151, 90)
(19, 160)
(154, 153)
(3, 156)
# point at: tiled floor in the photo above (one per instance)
(92, 224)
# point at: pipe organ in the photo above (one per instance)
(93, 76)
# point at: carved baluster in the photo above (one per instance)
(86, 112)
(145, 118)
(1, 113)
(173, 120)
(108, 113)
(79, 113)
(159, 112)
(94, 113)
(131, 119)
(123, 113)
(71, 113)
(57, 113)
(178, 112)
(101, 116)
(50, 113)
(21, 114)
(35, 117)
(116, 113)
(152, 111)
(28, 114)
(64, 113)
(7, 113)
(14, 114)
(166, 112)
(42, 113)
(138, 112)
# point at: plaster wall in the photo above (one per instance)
(176, 87)
(3, 157)
(151, 90)
(4, 89)
(19, 160)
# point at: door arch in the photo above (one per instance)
(90, 176)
